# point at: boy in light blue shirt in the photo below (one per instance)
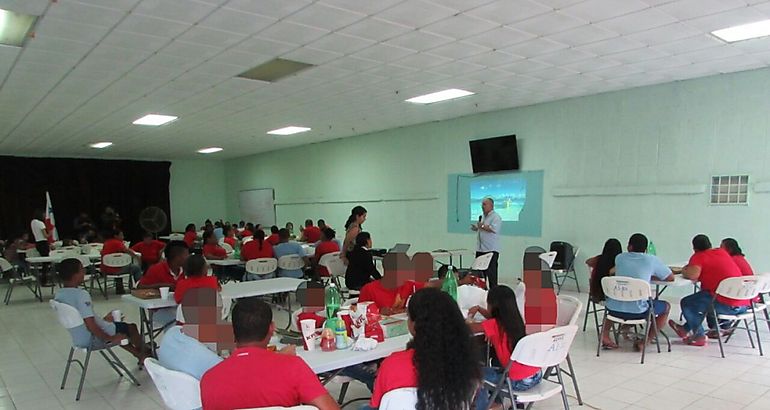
(185, 354)
(638, 265)
(284, 248)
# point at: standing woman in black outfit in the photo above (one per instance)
(361, 267)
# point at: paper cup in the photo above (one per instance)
(164, 292)
(308, 333)
(117, 315)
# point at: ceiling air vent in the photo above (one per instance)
(274, 70)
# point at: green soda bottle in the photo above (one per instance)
(450, 284)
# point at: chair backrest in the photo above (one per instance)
(333, 263)
(404, 398)
(116, 260)
(565, 255)
(72, 250)
(176, 237)
(246, 239)
(5, 266)
(226, 246)
(548, 257)
(261, 266)
(92, 248)
(291, 262)
(179, 391)
(68, 316)
(763, 283)
(84, 260)
(569, 308)
(545, 349)
(482, 262)
(469, 296)
(740, 287)
(625, 289)
(32, 252)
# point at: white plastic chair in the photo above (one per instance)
(740, 288)
(404, 398)
(568, 313)
(545, 350)
(92, 248)
(117, 260)
(548, 257)
(469, 296)
(176, 237)
(261, 266)
(246, 240)
(18, 276)
(624, 289)
(481, 263)
(291, 262)
(226, 246)
(763, 288)
(72, 250)
(335, 266)
(179, 390)
(70, 318)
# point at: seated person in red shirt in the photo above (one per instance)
(212, 251)
(311, 234)
(273, 239)
(392, 291)
(190, 235)
(166, 272)
(116, 245)
(230, 236)
(730, 245)
(256, 249)
(150, 250)
(239, 381)
(503, 328)
(248, 230)
(710, 267)
(440, 361)
(196, 275)
(327, 245)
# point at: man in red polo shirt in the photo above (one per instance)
(311, 234)
(402, 277)
(710, 267)
(150, 250)
(166, 272)
(238, 382)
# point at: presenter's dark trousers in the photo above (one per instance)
(491, 272)
(44, 249)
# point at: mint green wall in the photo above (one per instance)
(595, 151)
(197, 192)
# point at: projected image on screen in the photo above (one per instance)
(509, 193)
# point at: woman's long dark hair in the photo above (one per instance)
(604, 265)
(501, 302)
(444, 355)
(731, 245)
(259, 235)
(354, 213)
(189, 228)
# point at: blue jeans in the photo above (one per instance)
(364, 373)
(492, 375)
(253, 276)
(697, 306)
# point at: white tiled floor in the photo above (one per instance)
(33, 349)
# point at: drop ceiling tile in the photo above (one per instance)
(36, 56)
(730, 18)
(508, 12)
(312, 55)
(353, 63)
(265, 47)
(366, 7)
(549, 23)
(712, 53)
(688, 9)
(685, 45)
(755, 46)
(134, 41)
(457, 68)
(210, 37)
(500, 37)
(460, 26)
(190, 50)
(341, 43)
(610, 46)
(493, 59)
(272, 8)
(65, 29)
(184, 11)
(416, 13)
(459, 50)
(535, 47)
(638, 21)
(525, 66)
(85, 14)
(583, 35)
(125, 5)
(176, 62)
(383, 53)
(421, 61)
(562, 57)
(660, 63)
(585, 66)
(234, 21)
(325, 17)
(135, 23)
(598, 10)
(292, 33)
(658, 35)
(376, 29)
(617, 71)
(637, 55)
(419, 40)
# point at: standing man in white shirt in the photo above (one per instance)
(40, 234)
(488, 228)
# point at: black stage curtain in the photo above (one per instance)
(80, 185)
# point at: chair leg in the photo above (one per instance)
(589, 306)
(719, 333)
(577, 284)
(8, 293)
(668, 341)
(574, 380)
(83, 375)
(748, 332)
(563, 388)
(756, 329)
(645, 330)
(67, 368)
(104, 355)
(343, 392)
(120, 364)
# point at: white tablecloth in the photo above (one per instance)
(322, 362)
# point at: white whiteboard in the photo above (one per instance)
(257, 206)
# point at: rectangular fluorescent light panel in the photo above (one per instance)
(209, 150)
(155, 119)
(275, 70)
(288, 130)
(100, 145)
(744, 31)
(439, 96)
(15, 27)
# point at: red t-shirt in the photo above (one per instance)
(375, 292)
(157, 274)
(111, 246)
(322, 249)
(251, 250)
(186, 283)
(239, 381)
(715, 266)
(273, 239)
(215, 250)
(743, 265)
(312, 234)
(499, 341)
(396, 372)
(230, 241)
(246, 232)
(150, 251)
(189, 238)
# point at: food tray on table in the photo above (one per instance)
(146, 293)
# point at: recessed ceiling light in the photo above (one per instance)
(288, 130)
(439, 96)
(15, 27)
(155, 119)
(210, 150)
(744, 31)
(100, 145)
